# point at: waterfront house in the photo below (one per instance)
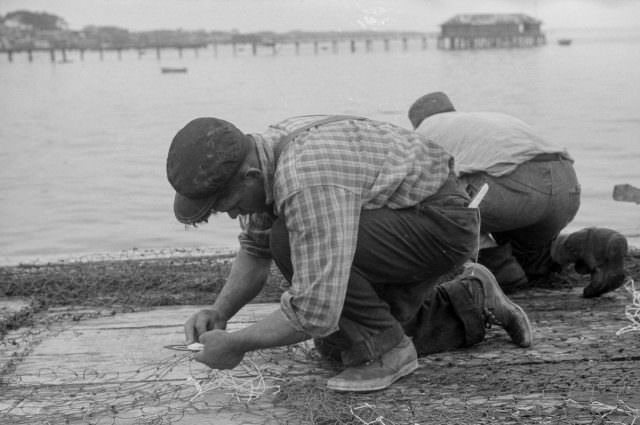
(482, 31)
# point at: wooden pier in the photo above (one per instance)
(241, 47)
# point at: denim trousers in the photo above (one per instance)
(528, 208)
(393, 287)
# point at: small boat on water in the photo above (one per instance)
(173, 70)
(564, 41)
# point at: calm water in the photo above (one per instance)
(83, 144)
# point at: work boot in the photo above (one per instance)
(496, 307)
(506, 269)
(380, 373)
(596, 251)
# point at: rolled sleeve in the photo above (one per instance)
(322, 222)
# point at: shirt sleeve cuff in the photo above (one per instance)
(289, 311)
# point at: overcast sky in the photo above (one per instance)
(285, 15)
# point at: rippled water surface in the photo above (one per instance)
(83, 144)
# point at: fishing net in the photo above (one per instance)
(280, 385)
(632, 311)
(161, 392)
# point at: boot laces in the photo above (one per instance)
(490, 318)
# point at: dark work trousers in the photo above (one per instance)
(392, 287)
(527, 209)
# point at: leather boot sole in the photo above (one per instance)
(380, 373)
(372, 384)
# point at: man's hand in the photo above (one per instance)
(201, 322)
(218, 352)
(225, 350)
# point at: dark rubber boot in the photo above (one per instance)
(596, 251)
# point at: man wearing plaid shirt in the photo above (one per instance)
(362, 217)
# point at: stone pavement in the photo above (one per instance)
(114, 370)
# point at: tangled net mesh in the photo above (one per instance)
(632, 311)
(152, 394)
(267, 386)
(168, 389)
(97, 397)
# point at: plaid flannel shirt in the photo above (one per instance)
(323, 179)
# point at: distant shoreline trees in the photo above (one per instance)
(41, 21)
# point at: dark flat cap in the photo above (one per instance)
(427, 105)
(202, 158)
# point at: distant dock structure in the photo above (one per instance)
(235, 44)
(489, 31)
